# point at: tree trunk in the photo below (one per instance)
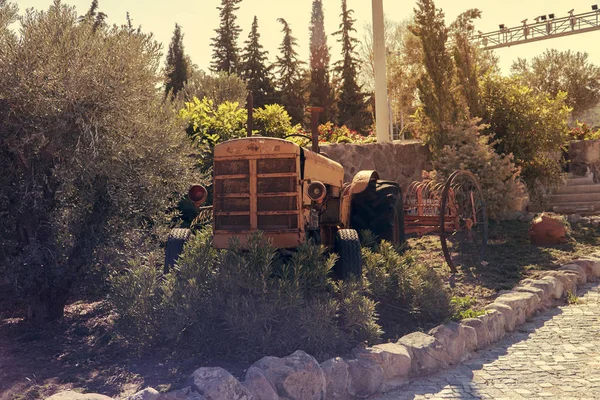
(47, 306)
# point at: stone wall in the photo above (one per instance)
(585, 157)
(400, 161)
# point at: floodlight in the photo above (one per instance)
(595, 7)
(524, 21)
(551, 16)
(571, 12)
(501, 26)
(543, 17)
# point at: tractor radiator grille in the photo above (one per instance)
(256, 194)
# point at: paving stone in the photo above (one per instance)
(556, 355)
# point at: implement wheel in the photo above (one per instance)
(347, 247)
(177, 239)
(380, 209)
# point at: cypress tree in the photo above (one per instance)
(177, 65)
(352, 110)
(320, 90)
(225, 49)
(254, 69)
(289, 70)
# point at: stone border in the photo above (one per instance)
(389, 366)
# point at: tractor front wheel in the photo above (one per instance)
(347, 247)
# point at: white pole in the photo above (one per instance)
(381, 103)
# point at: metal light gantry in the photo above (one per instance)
(545, 27)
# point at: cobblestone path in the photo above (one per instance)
(556, 355)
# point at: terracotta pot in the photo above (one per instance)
(546, 231)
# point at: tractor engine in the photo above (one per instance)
(275, 186)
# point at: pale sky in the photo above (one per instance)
(199, 18)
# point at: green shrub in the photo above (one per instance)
(247, 303)
(463, 308)
(409, 295)
(273, 120)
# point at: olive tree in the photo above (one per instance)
(91, 159)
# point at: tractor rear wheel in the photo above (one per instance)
(178, 237)
(380, 209)
(347, 247)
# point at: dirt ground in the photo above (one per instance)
(82, 351)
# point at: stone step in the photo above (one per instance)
(570, 207)
(575, 189)
(573, 180)
(573, 198)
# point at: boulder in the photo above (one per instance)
(495, 323)
(71, 395)
(482, 335)
(366, 378)
(594, 263)
(295, 377)
(393, 358)
(259, 386)
(559, 287)
(523, 303)
(337, 379)
(531, 289)
(215, 383)
(424, 354)
(470, 341)
(509, 315)
(587, 267)
(579, 270)
(547, 286)
(183, 394)
(450, 339)
(145, 394)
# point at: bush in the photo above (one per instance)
(219, 88)
(91, 158)
(273, 120)
(497, 174)
(329, 133)
(409, 295)
(582, 131)
(249, 303)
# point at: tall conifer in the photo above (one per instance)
(225, 49)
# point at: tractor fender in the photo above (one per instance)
(361, 180)
(359, 184)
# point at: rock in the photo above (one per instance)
(481, 331)
(531, 289)
(495, 323)
(557, 286)
(393, 358)
(509, 315)
(450, 339)
(215, 383)
(574, 218)
(366, 378)
(424, 355)
(336, 379)
(258, 386)
(527, 217)
(594, 265)
(568, 279)
(524, 304)
(580, 271)
(295, 377)
(587, 268)
(145, 394)
(547, 286)
(182, 394)
(71, 395)
(470, 341)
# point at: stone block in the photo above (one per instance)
(337, 379)
(215, 383)
(258, 385)
(470, 341)
(366, 378)
(482, 333)
(393, 358)
(450, 339)
(509, 315)
(548, 287)
(523, 303)
(424, 354)
(559, 286)
(579, 270)
(587, 267)
(495, 323)
(594, 263)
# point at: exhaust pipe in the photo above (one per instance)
(314, 126)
